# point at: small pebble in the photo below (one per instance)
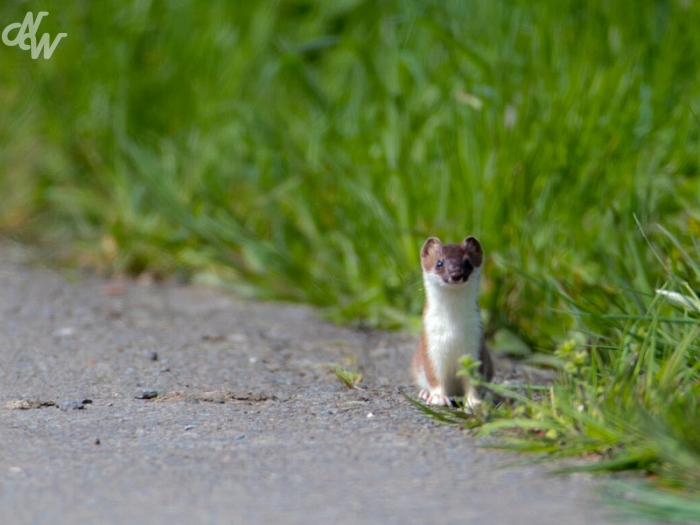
(146, 393)
(71, 405)
(152, 356)
(189, 427)
(64, 332)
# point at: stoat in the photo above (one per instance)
(451, 322)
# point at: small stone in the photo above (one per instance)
(189, 427)
(71, 404)
(146, 393)
(66, 331)
(152, 356)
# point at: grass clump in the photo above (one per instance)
(351, 379)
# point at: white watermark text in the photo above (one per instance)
(27, 31)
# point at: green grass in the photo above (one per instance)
(349, 378)
(304, 150)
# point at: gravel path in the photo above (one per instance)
(123, 403)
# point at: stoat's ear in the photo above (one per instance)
(473, 249)
(429, 247)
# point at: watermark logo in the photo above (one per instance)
(27, 31)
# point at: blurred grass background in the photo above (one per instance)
(303, 150)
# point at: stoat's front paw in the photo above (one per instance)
(434, 398)
(438, 399)
(473, 399)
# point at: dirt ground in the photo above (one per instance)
(125, 403)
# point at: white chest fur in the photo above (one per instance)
(452, 326)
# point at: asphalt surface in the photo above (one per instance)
(128, 403)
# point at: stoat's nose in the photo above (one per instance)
(455, 277)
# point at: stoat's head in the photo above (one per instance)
(450, 264)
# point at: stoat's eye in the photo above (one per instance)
(439, 264)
